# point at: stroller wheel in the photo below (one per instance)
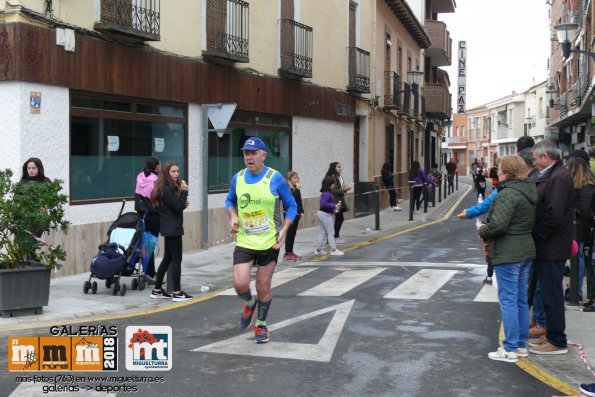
(142, 283)
(123, 290)
(86, 287)
(94, 287)
(135, 283)
(115, 289)
(108, 283)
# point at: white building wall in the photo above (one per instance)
(10, 127)
(317, 143)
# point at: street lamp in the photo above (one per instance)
(551, 94)
(565, 32)
(415, 76)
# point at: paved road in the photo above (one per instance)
(405, 316)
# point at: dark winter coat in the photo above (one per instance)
(585, 210)
(554, 215)
(388, 179)
(171, 212)
(510, 223)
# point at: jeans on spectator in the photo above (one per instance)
(512, 294)
(550, 275)
(538, 311)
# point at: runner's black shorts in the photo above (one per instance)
(261, 258)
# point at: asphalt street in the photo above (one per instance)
(402, 316)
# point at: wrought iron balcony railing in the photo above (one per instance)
(392, 90)
(227, 30)
(296, 49)
(134, 20)
(359, 70)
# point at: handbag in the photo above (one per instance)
(147, 247)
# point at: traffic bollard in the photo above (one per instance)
(446, 187)
(425, 194)
(376, 198)
(440, 192)
(411, 203)
(434, 195)
(457, 179)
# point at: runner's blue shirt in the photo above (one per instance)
(279, 188)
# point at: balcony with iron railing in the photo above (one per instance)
(441, 49)
(438, 101)
(227, 30)
(359, 70)
(296, 49)
(130, 20)
(392, 90)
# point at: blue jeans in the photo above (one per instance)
(512, 294)
(550, 275)
(538, 310)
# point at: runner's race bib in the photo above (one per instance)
(256, 222)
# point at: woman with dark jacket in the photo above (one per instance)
(33, 171)
(145, 182)
(339, 191)
(511, 249)
(170, 196)
(389, 183)
(584, 186)
(293, 181)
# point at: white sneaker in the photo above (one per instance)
(337, 253)
(503, 355)
(522, 352)
(339, 241)
(318, 252)
(397, 209)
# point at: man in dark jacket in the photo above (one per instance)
(553, 241)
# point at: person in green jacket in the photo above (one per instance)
(511, 248)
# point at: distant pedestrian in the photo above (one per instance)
(145, 182)
(511, 249)
(553, 234)
(420, 183)
(252, 205)
(480, 183)
(389, 183)
(170, 196)
(451, 170)
(293, 181)
(327, 208)
(341, 188)
(494, 175)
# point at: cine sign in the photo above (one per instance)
(462, 77)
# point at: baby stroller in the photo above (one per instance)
(119, 256)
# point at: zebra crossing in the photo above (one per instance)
(422, 284)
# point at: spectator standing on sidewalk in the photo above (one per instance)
(494, 175)
(420, 183)
(327, 208)
(253, 209)
(389, 183)
(584, 185)
(451, 169)
(170, 196)
(553, 239)
(339, 191)
(293, 181)
(509, 227)
(145, 182)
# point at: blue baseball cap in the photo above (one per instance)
(254, 143)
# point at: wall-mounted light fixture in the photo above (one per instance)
(551, 94)
(565, 32)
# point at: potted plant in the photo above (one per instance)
(26, 211)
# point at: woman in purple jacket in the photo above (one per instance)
(417, 175)
(325, 216)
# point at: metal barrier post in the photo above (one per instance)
(425, 195)
(376, 198)
(434, 194)
(457, 179)
(446, 187)
(411, 203)
(440, 192)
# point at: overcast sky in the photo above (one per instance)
(508, 46)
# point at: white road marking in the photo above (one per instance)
(279, 278)
(488, 293)
(321, 351)
(422, 285)
(404, 264)
(342, 283)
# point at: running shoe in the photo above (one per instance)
(247, 312)
(337, 253)
(161, 294)
(181, 297)
(487, 280)
(503, 355)
(297, 257)
(318, 252)
(588, 389)
(261, 334)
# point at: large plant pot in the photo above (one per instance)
(24, 291)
